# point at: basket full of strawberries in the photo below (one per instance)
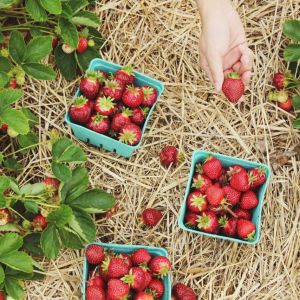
(224, 197)
(112, 106)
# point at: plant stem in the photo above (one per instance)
(26, 148)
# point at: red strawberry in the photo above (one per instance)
(89, 85)
(103, 274)
(95, 254)
(148, 276)
(240, 181)
(282, 98)
(120, 120)
(2, 296)
(117, 290)
(233, 170)
(135, 279)
(196, 202)
(133, 96)
(130, 134)
(140, 256)
(113, 89)
(151, 216)
(125, 75)
(105, 106)
(54, 41)
(208, 222)
(92, 103)
(150, 96)
(39, 222)
(116, 267)
(232, 196)
(233, 87)
(4, 127)
(249, 200)
(201, 182)
(246, 229)
(102, 76)
(156, 287)
(191, 219)
(51, 184)
(183, 292)
(80, 110)
(212, 168)
(138, 116)
(228, 226)
(160, 265)
(168, 156)
(13, 84)
(120, 107)
(242, 213)
(143, 296)
(97, 281)
(82, 45)
(5, 216)
(215, 195)
(287, 105)
(127, 258)
(99, 123)
(95, 293)
(283, 80)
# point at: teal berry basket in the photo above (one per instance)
(99, 140)
(227, 161)
(129, 249)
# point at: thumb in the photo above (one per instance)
(216, 70)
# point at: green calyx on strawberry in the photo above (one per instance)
(160, 266)
(282, 98)
(257, 177)
(191, 219)
(5, 216)
(156, 288)
(233, 87)
(80, 110)
(150, 96)
(125, 75)
(228, 225)
(246, 229)
(99, 123)
(135, 278)
(105, 106)
(130, 134)
(208, 222)
(113, 89)
(201, 182)
(39, 223)
(89, 85)
(283, 80)
(133, 96)
(196, 202)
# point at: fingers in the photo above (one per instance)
(246, 77)
(216, 69)
(246, 62)
(205, 66)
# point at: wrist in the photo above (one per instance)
(206, 6)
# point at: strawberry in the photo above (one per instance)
(148, 276)
(151, 216)
(233, 87)
(133, 96)
(97, 281)
(115, 267)
(219, 210)
(117, 290)
(105, 106)
(127, 259)
(160, 265)
(5, 216)
(102, 76)
(39, 223)
(130, 134)
(113, 89)
(215, 195)
(191, 219)
(156, 288)
(283, 80)
(89, 85)
(135, 279)
(67, 49)
(121, 119)
(140, 257)
(282, 98)
(249, 200)
(80, 110)
(95, 254)
(246, 229)
(233, 170)
(208, 222)
(212, 168)
(143, 296)
(2, 296)
(228, 225)
(120, 107)
(168, 156)
(242, 213)
(201, 182)
(92, 104)
(240, 181)
(183, 292)
(4, 127)
(231, 195)
(51, 184)
(95, 293)
(196, 202)
(150, 96)
(99, 123)
(54, 41)
(82, 45)
(125, 75)
(13, 84)
(287, 105)
(138, 116)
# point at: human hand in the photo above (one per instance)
(223, 43)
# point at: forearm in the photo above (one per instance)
(208, 6)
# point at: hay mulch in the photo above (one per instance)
(161, 38)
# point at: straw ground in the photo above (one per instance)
(161, 38)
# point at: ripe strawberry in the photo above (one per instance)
(125, 75)
(2, 296)
(133, 96)
(231, 195)
(13, 84)
(117, 290)
(287, 105)
(135, 279)
(130, 134)
(138, 116)
(143, 296)
(54, 41)
(121, 119)
(160, 265)
(102, 76)
(105, 106)
(80, 110)
(92, 104)
(5, 216)
(95, 293)
(113, 89)
(242, 213)
(208, 222)
(115, 267)
(4, 127)
(181, 291)
(140, 257)
(215, 195)
(156, 288)
(168, 156)
(99, 123)
(228, 225)
(246, 229)
(191, 219)
(283, 80)
(89, 85)
(127, 259)
(249, 200)
(150, 96)
(151, 216)
(233, 170)
(282, 98)
(67, 49)
(97, 281)
(39, 223)
(212, 168)
(201, 182)
(148, 276)
(240, 181)
(82, 45)
(95, 254)
(233, 87)
(196, 202)
(51, 184)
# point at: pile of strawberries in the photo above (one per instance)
(111, 104)
(222, 199)
(119, 276)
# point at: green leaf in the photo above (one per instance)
(10, 242)
(292, 52)
(69, 239)
(32, 244)
(18, 260)
(39, 71)
(35, 32)
(9, 227)
(296, 102)
(7, 3)
(93, 201)
(52, 6)
(85, 58)
(17, 274)
(12, 164)
(1, 157)
(86, 18)
(50, 242)
(2, 275)
(14, 289)
(67, 11)
(291, 28)
(66, 63)
(61, 216)
(68, 32)
(4, 79)
(31, 206)
(38, 48)
(4, 183)
(16, 120)
(32, 118)
(61, 172)
(36, 10)
(96, 36)
(77, 5)
(5, 64)
(16, 46)
(1, 39)
(297, 123)
(9, 96)
(28, 141)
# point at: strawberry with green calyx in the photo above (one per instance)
(148, 275)
(228, 225)
(102, 76)
(51, 185)
(89, 85)
(96, 280)
(212, 167)
(82, 45)
(135, 279)
(169, 155)
(13, 84)
(249, 200)
(182, 291)
(4, 127)
(130, 134)
(215, 195)
(284, 80)
(231, 195)
(282, 98)
(242, 213)
(246, 229)
(151, 217)
(113, 89)
(240, 181)
(156, 288)
(150, 96)
(208, 222)
(67, 49)
(80, 110)
(143, 296)
(141, 257)
(99, 123)
(121, 119)
(117, 290)
(115, 267)
(39, 223)
(196, 202)
(233, 87)
(201, 182)
(95, 293)
(127, 259)
(125, 75)
(191, 219)
(95, 254)
(139, 115)
(234, 170)
(133, 96)
(105, 106)
(5, 216)
(160, 266)
(257, 177)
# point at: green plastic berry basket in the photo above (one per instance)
(129, 249)
(199, 156)
(99, 140)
